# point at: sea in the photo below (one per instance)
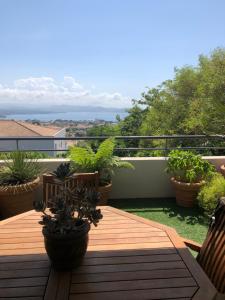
(75, 116)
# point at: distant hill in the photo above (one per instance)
(5, 109)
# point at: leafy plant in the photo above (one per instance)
(211, 192)
(103, 161)
(29, 155)
(187, 166)
(69, 209)
(18, 169)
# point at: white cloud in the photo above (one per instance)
(46, 90)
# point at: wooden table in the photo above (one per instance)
(128, 258)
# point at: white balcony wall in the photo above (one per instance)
(148, 180)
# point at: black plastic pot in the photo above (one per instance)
(67, 251)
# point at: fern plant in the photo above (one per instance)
(103, 161)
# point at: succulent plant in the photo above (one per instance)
(69, 208)
(63, 170)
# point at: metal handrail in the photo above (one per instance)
(136, 137)
(125, 149)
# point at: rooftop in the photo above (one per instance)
(10, 128)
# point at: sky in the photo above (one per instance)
(100, 52)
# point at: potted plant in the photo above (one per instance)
(67, 222)
(84, 159)
(189, 172)
(19, 178)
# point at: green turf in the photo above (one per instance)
(188, 222)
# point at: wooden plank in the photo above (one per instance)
(130, 259)
(23, 251)
(24, 265)
(146, 294)
(58, 286)
(11, 243)
(124, 276)
(139, 219)
(130, 246)
(131, 285)
(208, 291)
(123, 230)
(17, 217)
(14, 230)
(22, 246)
(129, 240)
(36, 244)
(37, 236)
(24, 273)
(19, 282)
(129, 267)
(21, 258)
(22, 291)
(131, 252)
(24, 298)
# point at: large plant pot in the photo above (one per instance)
(222, 170)
(104, 193)
(186, 193)
(17, 199)
(67, 251)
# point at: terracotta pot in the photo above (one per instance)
(186, 193)
(104, 193)
(67, 251)
(222, 170)
(17, 199)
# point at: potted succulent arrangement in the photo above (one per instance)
(67, 222)
(189, 173)
(19, 178)
(84, 159)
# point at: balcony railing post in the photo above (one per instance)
(17, 145)
(166, 147)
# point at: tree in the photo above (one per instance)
(193, 102)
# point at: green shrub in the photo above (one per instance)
(187, 166)
(211, 192)
(29, 154)
(103, 161)
(19, 168)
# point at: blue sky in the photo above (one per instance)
(101, 52)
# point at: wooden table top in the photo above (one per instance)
(128, 257)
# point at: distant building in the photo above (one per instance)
(18, 129)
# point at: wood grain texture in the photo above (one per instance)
(128, 258)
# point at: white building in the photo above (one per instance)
(18, 129)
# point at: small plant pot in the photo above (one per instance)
(186, 193)
(222, 170)
(104, 193)
(67, 251)
(17, 199)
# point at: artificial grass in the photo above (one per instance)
(188, 222)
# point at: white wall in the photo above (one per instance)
(28, 145)
(148, 180)
(59, 145)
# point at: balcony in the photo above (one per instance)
(128, 256)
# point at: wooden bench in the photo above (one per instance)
(211, 255)
(51, 186)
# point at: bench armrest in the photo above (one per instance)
(192, 245)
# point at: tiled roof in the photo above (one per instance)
(18, 128)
